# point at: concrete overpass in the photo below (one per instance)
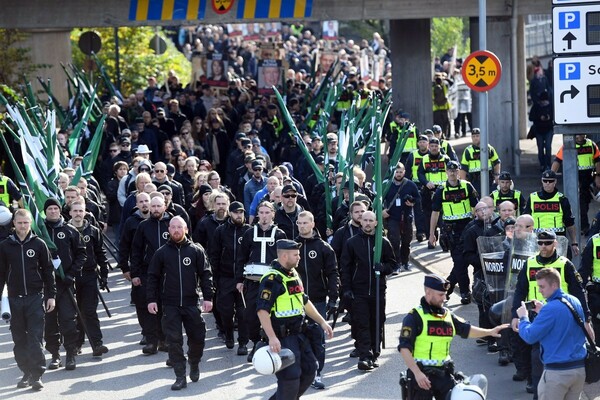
(410, 21)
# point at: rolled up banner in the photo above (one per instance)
(5, 307)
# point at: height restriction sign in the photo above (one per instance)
(481, 70)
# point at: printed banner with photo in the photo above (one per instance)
(269, 75)
(330, 30)
(326, 58)
(211, 69)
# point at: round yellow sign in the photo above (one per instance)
(222, 6)
(481, 70)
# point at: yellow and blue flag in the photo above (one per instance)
(274, 9)
(166, 10)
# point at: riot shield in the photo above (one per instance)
(493, 253)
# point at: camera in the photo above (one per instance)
(409, 198)
(530, 305)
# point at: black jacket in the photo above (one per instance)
(341, 236)
(357, 267)
(71, 249)
(96, 254)
(177, 268)
(26, 267)
(149, 236)
(250, 250)
(469, 240)
(318, 269)
(287, 223)
(127, 233)
(224, 248)
(205, 230)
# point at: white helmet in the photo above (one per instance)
(5, 216)
(466, 392)
(267, 362)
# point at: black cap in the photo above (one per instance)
(236, 206)
(427, 132)
(175, 153)
(124, 139)
(249, 158)
(320, 160)
(452, 165)
(436, 282)
(245, 141)
(509, 221)
(51, 202)
(549, 174)
(546, 235)
(240, 135)
(286, 244)
(347, 185)
(436, 129)
(170, 169)
(504, 176)
(423, 137)
(165, 187)
(204, 189)
(256, 164)
(434, 140)
(289, 188)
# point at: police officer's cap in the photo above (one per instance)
(436, 282)
(434, 140)
(428, 132)
(504, 176)
(236, 206)
(436, 129)
(452, 165)
(549, 174)
(286, 244)
(546, 235)
(424, 137)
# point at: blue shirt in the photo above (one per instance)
(250, 189)
(561, 339)
(257, 198)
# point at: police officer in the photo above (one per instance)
(454, 200)
(526, 289)
(255, 254)
(319, 273)
(281, 308)
(9, 192)
(445, 146)
(402, 121)
(551, 210)
(426, 352)
(150, 235)
(431, 174)
(222, 254)
(588, 164)
(86, 283)
(178, 268)
(412, 166)
(590, 273)
(471, 163)
(26, 270)
(358, 272)
(72, 254)
(399, 202)
(505, 193)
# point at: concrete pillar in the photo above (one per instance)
(521, 77)
(499, 110)
(50, 47)
(410, 42)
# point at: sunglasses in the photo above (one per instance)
(144, 170)
(159, 170)
(257, 169)
(549, 180)
(185, 133)
(545, 242)
(125, 144)
(290, 196)
(166, 193)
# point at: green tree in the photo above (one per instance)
(450, 32)
(137, 60)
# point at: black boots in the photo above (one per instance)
(194, 372)
(70, 364)
(56, 362)
(180, 383)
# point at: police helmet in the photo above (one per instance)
(267, 362)
(466, 392)
(5, 216)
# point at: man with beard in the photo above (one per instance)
(87, 283)
(257, 182)
(141, 213)
(319, 273)
(173, 208)
(72, 255)
(358, 272)
(31, 292)
(287, 216)
(252, 261)
(150, 235)
(205, 229)
(222, 254)
(176, 270)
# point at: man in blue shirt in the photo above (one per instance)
(561, 338)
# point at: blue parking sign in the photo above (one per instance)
(569, 20)
(569, 71)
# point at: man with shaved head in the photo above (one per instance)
(506, 209)
(161, 178)
(358, 271)
(177, 269)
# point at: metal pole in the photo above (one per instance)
(117, 60)
(483, 107)
(515, 89)
(571, 183)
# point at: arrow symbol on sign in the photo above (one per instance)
(573, 92)
(569, 37)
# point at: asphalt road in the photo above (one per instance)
(125, 373)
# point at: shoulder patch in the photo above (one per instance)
(271, 277)
(406, 331)
(265, 294)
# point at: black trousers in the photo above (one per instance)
(87, 300)
(230, 306)
(27, 328)
(400, 234)
(172, 319)
(364, 324)
(459, 273)
(293, 381)
(250, 316)
(441, 384)
(62, 321)
(150, 323)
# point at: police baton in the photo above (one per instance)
(81, 318)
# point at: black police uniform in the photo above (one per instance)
(27, 272)
(222, 254)
(292, 381)
(86, 283)
(441, 378)
(591, 281)
(62, 320)
(177, 269)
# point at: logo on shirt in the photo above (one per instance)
(240, 240)
(165, 235)
(312, 254)
(547, 206)
(86, 238)
(439, 328)
(60, 235)
(30, 253)
(187, 261)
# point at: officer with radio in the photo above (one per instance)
(427, 332)
(281, 307)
